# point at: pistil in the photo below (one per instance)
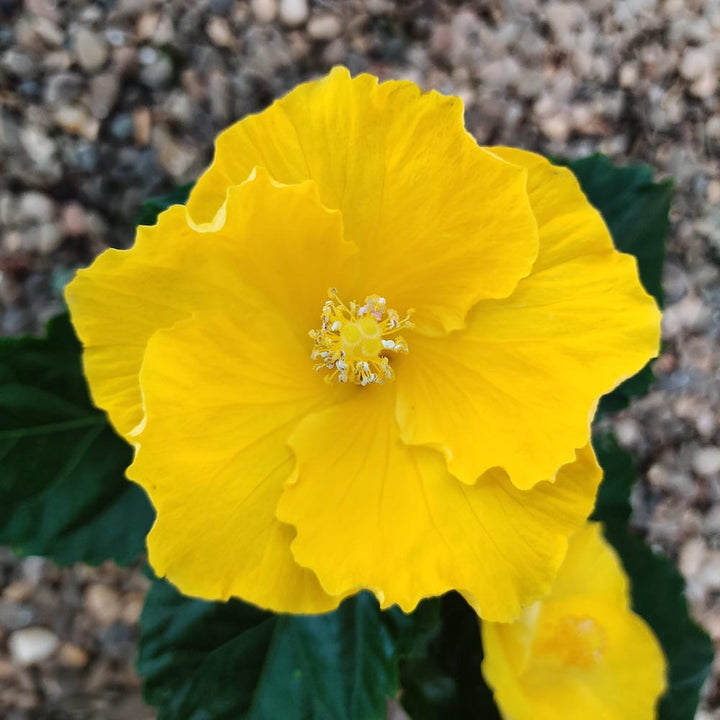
(354, 340)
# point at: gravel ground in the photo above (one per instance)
(105, 103)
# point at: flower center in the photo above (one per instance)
(575, 641)
(354, 340)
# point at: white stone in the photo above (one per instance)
(32, 645)
(628, 432)
(73, 219)
(103, 603)
(689, 314)
(629, 75)
(706, 461)
(219, 31)
(91, 49)
(265, 11)
(49, 238)
(178, 158)
(566, 19)
(36, 207)
(692, 556)
(324, 27)
(294, 12)
(75, 120)
(706, 85)
(696, 62)
(37, 144)
(706, 423)
(556, 127)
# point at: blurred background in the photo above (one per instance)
(103, 104)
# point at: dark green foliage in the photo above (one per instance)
(63, 492)
(231, 661)
(444, 680)
(613, 500)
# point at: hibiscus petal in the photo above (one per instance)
(590, 550)
(440, 222)
(279, 239)
(586, 653)
(371, 512)
(213, 456)
(518, 387)
(625, 686)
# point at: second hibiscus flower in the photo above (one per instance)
(365, 355)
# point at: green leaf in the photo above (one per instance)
(149, 210)
(658, 596)
(445, 680)
(231, 661)
(635, 210)
(63, 492)
(613, 500)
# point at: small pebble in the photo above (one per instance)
(18, 63)
(43, 239)
(147, 25)
(157, 73)
(695, 63)
(7, 671)
(35, 207)
(706, 85)
(712, 192)
(690, 314)
(18, 591)
(48, 32)
(556, 127)
(324, 27)
(706, 461)
(43, 8)
(104, 93)
(9, 131)
(63, 87)
(37, 145)
(628, 432)
(14, 615)
(293, 12)
(32, 645)
(176, 157)
(72, 656)
(91, 49)
(692, 556)
(73, 219)
(103, 603)
(219, 31)
(220, 97)
(265, 11)
(142, 123)
(132, 608)
(709, 572)
(76, 120)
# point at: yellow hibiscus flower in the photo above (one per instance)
(581, 652)
(365, 355)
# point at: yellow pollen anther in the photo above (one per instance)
(354, 340)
